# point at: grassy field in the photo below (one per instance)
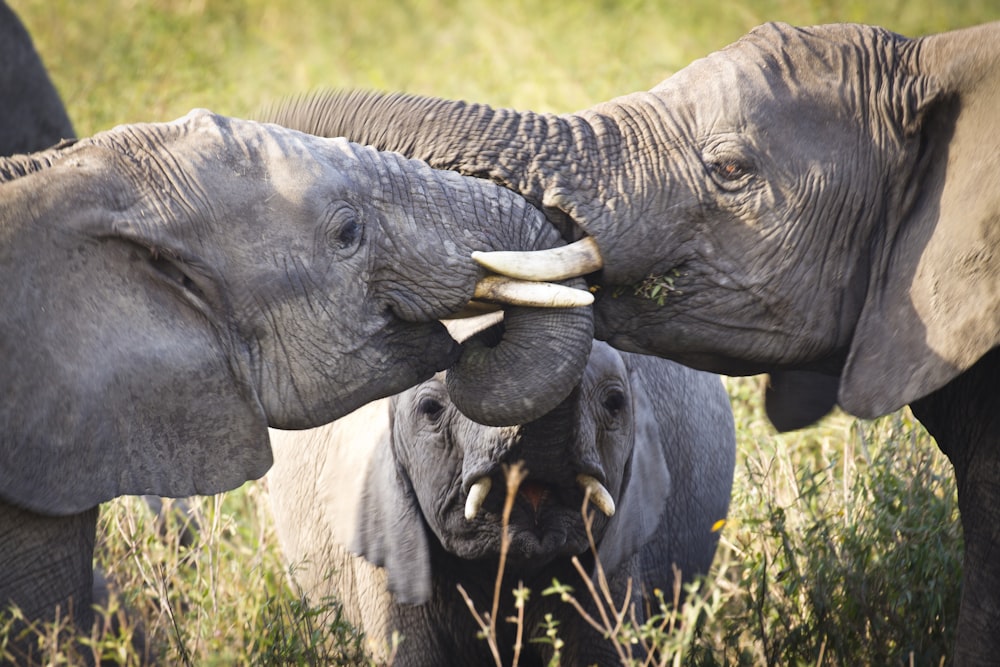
(842, 546)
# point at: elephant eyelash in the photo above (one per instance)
(167, 263)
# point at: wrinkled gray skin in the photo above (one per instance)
(825, 201)
(391, 481)
(172, 289)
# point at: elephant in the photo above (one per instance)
(172, 289)
(32, 115)
(416, 490)
(816, 203)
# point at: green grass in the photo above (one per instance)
(842, 546)
(121, 61)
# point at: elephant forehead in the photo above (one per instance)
(604, 361)
(292, 163)
(300, 166)
(781, 61)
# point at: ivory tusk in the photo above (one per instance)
(499, 289)
(576, 259)
(477, 494)
(599, 495)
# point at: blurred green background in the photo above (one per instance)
(842, 546)
(120, 61)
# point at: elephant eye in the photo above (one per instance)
(728, 159)
(730, 173)
(730, 170)
(344, 229)
(614, 402)
(430, 408)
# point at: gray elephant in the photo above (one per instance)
(820, 204)
(172, 289)
(410, 484)
(32, 116)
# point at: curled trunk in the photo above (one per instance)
(522, 369)
(502, 145)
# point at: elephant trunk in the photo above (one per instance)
(17, 166)
(523, 368)
(540, 353)
(505, 146)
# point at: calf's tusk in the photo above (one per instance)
(477, 494)
(599, 495)
(500, 289)
(576, 259)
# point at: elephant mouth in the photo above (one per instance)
(545, 518)
(534, 493)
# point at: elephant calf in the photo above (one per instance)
(414, 487)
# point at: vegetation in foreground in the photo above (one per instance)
(842, 548)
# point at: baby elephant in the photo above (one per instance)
(415, 488)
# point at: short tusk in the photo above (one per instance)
(498, 289)
(569, 261)
(598, 494)
(477, 494)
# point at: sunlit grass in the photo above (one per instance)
(132, 60)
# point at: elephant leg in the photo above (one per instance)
(47, 569)
(963, 417)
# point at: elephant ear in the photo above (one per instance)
(646, 487)
(340, 484)
(933, 307)
(797, 399)
(112, 384)
(390, 529)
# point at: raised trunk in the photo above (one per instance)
(22, 165)
(509, 147)
(543, 351)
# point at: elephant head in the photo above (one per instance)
(172, 289)
(806, 201)
(652, 443)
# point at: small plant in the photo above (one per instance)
(658, 287)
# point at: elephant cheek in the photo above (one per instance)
(313, 394)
